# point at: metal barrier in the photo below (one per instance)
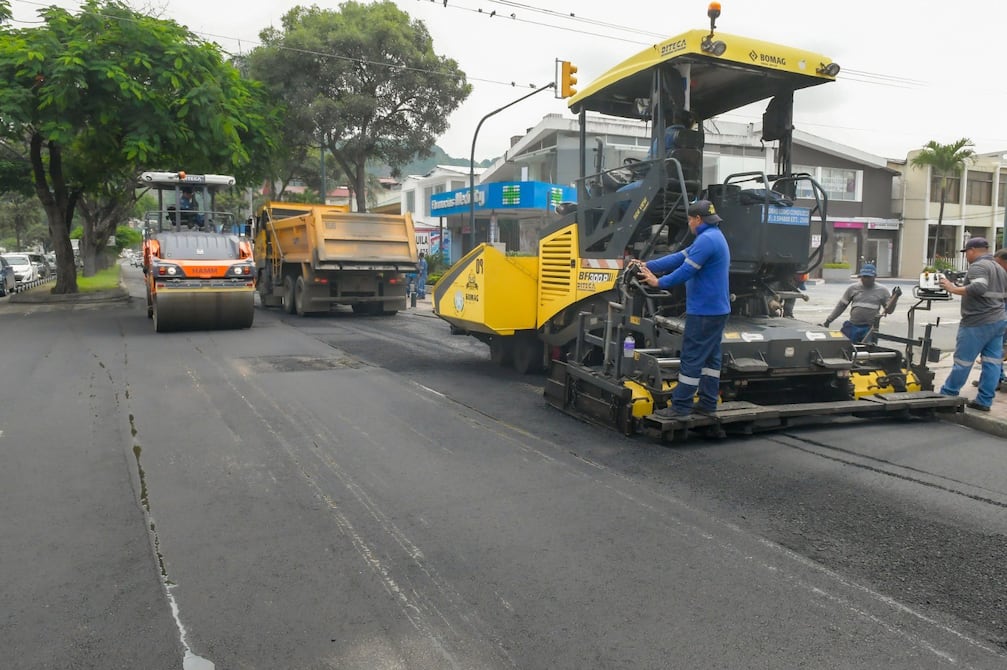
(21, 287)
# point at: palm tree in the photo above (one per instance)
(946, 160)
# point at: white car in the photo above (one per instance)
(24, 270)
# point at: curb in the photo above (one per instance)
(981, 422)
(24, 295)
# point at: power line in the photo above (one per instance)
(454, 4)
(573, 17)
(852, 75)
(860, 75)
(322, 54)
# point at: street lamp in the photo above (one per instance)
(472, 159)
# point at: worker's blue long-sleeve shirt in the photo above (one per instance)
(704, 269)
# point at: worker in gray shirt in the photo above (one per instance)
(981, 331)
(868, 300)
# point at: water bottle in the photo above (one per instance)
(628, 347)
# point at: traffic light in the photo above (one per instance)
(568, 79)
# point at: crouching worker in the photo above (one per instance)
(867, 300)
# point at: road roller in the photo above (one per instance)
(197, 261)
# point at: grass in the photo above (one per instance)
(104, 280)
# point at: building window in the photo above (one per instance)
(954, 189)
(841, 184)
(439, 188)
(410, 201)
(804, 189)
(838, 183)
(979, 188)
(1002, 190)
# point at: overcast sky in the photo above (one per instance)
(913, 70)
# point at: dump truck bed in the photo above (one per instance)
(330, 239)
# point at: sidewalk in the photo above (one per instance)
(993, 422)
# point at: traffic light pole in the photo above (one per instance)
(472, 159)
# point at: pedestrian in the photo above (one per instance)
(1001, 259)
(982, 326)
(867, 300)
(703, 267)
(421, 276)
(798, 284)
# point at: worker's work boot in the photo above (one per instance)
(670, 412)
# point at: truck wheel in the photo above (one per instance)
(265, 289)
(527, 354)
(288, 294)
(299, 297)
(502, 350)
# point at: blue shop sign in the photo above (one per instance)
(503, 196)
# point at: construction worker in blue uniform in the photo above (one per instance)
(704, 269)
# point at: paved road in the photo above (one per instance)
(345, 492)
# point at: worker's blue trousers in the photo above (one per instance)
(987, 343)
(700, 366)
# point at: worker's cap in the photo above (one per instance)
(976, 243)
(704, 209)
(868, 270)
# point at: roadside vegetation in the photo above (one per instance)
(103, 280)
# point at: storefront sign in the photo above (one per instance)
(503, 196)
(883, 225)
(848, 224)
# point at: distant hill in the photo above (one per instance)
(425, 165)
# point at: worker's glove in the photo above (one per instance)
(824, 324)
(896, 292)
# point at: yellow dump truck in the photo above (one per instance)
(310, 257)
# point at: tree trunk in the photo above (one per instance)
(88, 249)
(18, 226)
(58, 205)
(360, 186)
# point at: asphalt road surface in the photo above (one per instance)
(347, 492)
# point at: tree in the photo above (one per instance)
(363, 81)
(103, 209)
(23, 218)
(944, 160)
(99, 95)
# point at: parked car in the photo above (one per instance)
(41, 265)
(8, 282)
(24, 271)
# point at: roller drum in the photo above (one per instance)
(203, 310)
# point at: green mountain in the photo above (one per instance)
(420, 166)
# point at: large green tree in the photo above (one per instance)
(944, 161)
(363, 81)
(102, 93)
